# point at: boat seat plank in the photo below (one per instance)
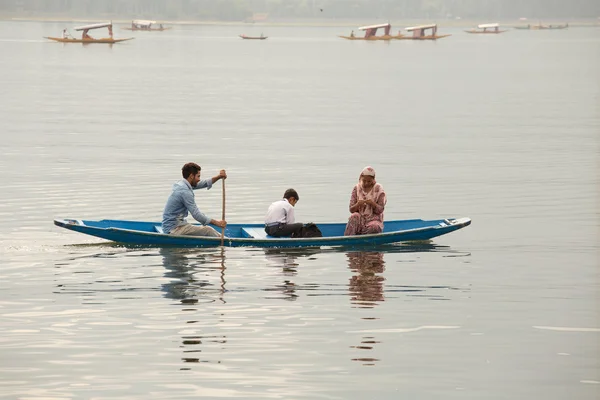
(158, 228)
(257, 233)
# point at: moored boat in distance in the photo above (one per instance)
(371, 33)
(86, 38)
(245, 235)
(420, 33)
(487, 29)
(145, 25)
(261, 37)
(541, 26)
(561, 26)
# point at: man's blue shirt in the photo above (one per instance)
(181, 201)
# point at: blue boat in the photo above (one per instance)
(243, 235)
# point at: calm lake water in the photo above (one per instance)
(502, 129)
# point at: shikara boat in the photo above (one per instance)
(145, 25)
(244, 235)
(86, 38)
(563, 26)
(261, 37)
(371, 33)
(420, 33)
(487, 29)
(540, 26)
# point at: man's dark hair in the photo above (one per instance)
(291, 193)
(190, 168)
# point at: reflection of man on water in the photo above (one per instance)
(366, 287)
(182, 266)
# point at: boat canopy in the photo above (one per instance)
(143, 22)
(93, 26)
(416, 28)
(364, 28)
(484, 26)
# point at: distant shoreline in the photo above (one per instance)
(462, 23)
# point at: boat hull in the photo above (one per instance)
(373, 38)
(252, 235)
(253, 37)
(428, 37)
(545, 27)
(86, 41)
(146, 30)
(486, 32)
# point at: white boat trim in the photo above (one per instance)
(414, 28)
(364, 28)
(482, 26)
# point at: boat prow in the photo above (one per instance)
(244, 235)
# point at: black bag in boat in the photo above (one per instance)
(309, 230)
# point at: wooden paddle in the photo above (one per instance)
(223, 215)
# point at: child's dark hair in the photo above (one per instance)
(291, 193)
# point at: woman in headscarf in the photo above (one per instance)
(366, 205)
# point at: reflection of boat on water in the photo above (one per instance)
(240, 235)
(86, 38)
(145, 25)
(487, 29)
(371, 33)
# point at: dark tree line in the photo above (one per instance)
(235, 10)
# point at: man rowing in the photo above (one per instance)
(181, 201)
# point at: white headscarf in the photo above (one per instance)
(368, 171)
